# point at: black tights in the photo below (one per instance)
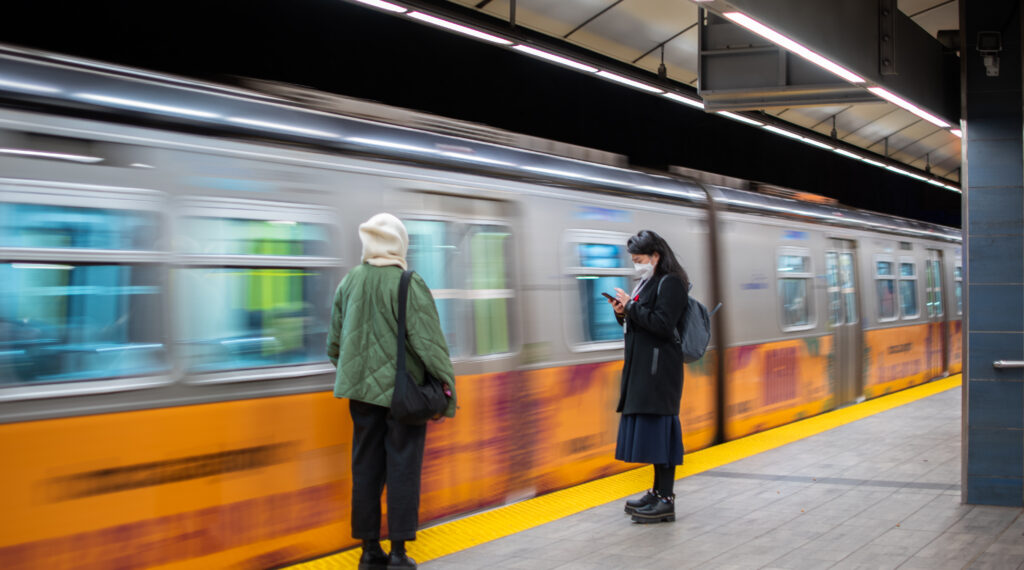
(664, 479)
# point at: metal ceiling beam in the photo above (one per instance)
(741, 70)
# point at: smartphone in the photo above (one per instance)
(610, 298)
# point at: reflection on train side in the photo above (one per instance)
(73, 316)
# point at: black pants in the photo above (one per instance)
(384, 452)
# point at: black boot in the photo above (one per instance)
(400, 560)
(373, 559)
(662, 511)
(649, 498)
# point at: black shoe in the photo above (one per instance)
(662, 511)
(373, 560)
(400, 561)
(633, 505)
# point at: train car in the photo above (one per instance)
(169, 250)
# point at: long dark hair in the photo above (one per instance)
(647, 242)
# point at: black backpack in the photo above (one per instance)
(694, 330)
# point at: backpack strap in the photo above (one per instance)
(676, 336)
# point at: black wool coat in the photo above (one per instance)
(652, 376)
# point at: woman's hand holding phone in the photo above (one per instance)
(616, 305)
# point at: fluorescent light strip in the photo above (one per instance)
(740, 118)
(29, 86)
(906, 173)
(873, 162)
(56, 155)
(555, 58)
(784, 133)
(957, 132)
(630, 82)
(684, 100)
(384, 6)
(458, 28)
(281, 127)
(781, 40)
(848, 153)
(816, 143)
(135, 104)
(892, 98)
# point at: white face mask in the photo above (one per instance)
(645, 270)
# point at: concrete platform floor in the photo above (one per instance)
(880, 492)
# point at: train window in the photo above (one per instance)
(885, 286)
(959, 288)
(908, 289)
(842, 295)
(81, 295)
(795, 286)
(599, 322)
(253, 292)
(489, 248)
(432, 253)
(47, 226)
(468, 269)
(227, 236)
(835, 300)
(848, 287)
(933, 284)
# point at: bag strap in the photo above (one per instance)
(403, 295)
(676, 335)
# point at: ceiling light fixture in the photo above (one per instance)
(957, 132)
(848, 153)
(740, 118)
(782, 132)
(384, 6)
(818, 144)
(458, 28)
(906, 173)
(892, 98)
(630, 82)
(555, 58)
(790, 45)
(684, 100)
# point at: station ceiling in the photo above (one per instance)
(641, 32)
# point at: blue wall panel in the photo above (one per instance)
(993, 111)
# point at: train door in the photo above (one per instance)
(938, 333)
(845, 321)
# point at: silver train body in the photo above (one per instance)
(168, 247)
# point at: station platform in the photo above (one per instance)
(874, 485)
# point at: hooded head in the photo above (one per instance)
(385, 241)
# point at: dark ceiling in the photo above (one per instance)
(356, 51)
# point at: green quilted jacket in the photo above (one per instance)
(362, 341)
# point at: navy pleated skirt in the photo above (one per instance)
(649, 438)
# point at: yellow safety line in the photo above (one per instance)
(447, 538)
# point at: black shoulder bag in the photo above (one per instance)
(411, 403)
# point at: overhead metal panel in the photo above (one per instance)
(633, 27)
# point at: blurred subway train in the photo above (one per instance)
(169, 250)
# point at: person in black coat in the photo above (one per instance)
(652, 376)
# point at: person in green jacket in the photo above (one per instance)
(362, 344)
